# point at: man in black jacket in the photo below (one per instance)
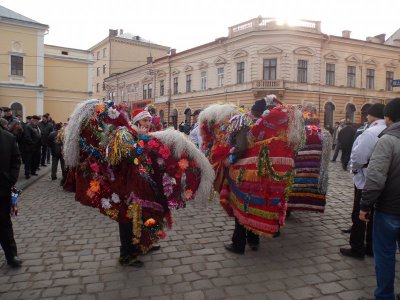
(32, 147)
(346, 139)
(45, 129)
(9, 170)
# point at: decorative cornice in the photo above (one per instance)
(175, 72)
(188, 68)
(371, 61)
(391, 64)
(353, 59)
(240, 53)
(270, 50)
(203, 65)
(304, 51)
(331, 56)
(219, 61)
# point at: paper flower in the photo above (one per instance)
(188, 194)
(141, 143)
(136, 161)
(100, 108)
(150, 222)
(105, 203)
(95, 167)
(168, 184)
(164, 151)
(183, 164)
(113, 113)
(115, 198)
(153, 144)
(160, 161)
(95, 186)
(161, 234)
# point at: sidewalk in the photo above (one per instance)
(24, 183)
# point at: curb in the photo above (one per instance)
(23, 184)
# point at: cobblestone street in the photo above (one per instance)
(70, 251)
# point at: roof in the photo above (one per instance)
(6, 13)
(130, 36)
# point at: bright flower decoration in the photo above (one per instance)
(150, 222)
(95, 186)
(115, 198)
(100, 108)
(183, 164)
(95, 167)
(153, 144)
(105, 203)
(113, 113)
(136, 161)
(168, 184)
(141, 143)
(160, 161)
(188, 194)
(161, 234)
(164, 151)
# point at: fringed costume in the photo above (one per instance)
(312, 161)
(131, 178)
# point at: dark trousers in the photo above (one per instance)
(360, 231)
(7, 241)
(336, 153)
(32, 160)
(345, 158)
(54, 165)
(43, 155)
(241, 235)
(125, 236)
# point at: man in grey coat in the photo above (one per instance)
(382, 191)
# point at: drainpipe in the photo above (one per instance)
(169, 89)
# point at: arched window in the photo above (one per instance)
(329, 109)
(16, 109)
(350, 110)
(188, 115)
(364, 112)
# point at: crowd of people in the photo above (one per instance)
(371, 152)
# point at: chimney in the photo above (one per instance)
(149, 59)
(112, 32)
(172, 52)
(121, 31)
(346, 34)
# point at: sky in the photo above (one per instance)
(184, 24)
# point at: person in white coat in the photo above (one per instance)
(360, 232)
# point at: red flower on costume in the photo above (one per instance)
(183, 164)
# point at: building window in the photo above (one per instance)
(17, 65)
(302, 70)
(161, 88)
(104, 69)
(389, 80)
(370, 78)
(97, 87)
(269, 69)
(220, 73)
(98, 71)
(175, 85)
(240, 72)
(104, 86)
(104, 52)
(188, 83)
(350, 110)
(203, 83)
(98, 55)
(330, 74)
(351, 76)
(145, 91)
(149, 90)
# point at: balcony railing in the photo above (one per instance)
(267, 84)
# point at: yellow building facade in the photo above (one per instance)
(22, 63)
(118, 53)
(36, 78)
(342, 76)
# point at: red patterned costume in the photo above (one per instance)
(131, 178)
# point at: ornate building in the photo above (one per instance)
(340, 75)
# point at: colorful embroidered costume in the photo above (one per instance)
(255, 188)
(312, 161)
(128, 177)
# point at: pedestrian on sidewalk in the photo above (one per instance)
(382, 192)
(9, 170)
(336, 145)
(346, 139)
(55, 143)
(32, 147)
(45, 129)
(361, 233)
